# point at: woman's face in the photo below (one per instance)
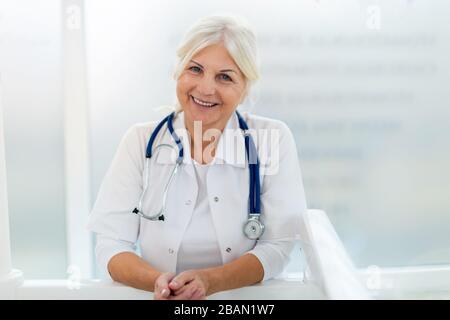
(210, 87)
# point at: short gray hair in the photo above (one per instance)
(236, 35)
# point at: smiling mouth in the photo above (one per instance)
(204, 104)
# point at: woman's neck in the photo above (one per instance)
(203, 141)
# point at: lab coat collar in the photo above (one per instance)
(230, 148)
(169, 156)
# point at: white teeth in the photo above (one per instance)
(202, 103)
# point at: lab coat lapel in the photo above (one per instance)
(182, 193)
(228, 189)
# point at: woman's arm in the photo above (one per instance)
(244, 271)
(130, 269)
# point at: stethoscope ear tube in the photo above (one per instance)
(142, 215)
(160, 215)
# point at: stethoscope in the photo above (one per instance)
(253, 228)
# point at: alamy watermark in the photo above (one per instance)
(373, 21)
(73, 17)
(228, 146)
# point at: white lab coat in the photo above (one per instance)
(282, 197)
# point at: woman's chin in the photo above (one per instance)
(206, 120)
(204, 115)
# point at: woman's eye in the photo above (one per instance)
(195, 69)
(225, 77)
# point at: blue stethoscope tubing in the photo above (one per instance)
(253, 228)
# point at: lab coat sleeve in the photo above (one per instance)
(111, 219)
(106, 248)
(283, 200)
(273, 256)
(283, 204)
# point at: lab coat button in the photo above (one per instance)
(188, 202)
(228, 250)
(171, 251)
(216, 199)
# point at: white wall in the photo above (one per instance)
(30, 68)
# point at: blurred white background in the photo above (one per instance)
(362, 84)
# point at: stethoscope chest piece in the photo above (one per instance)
(253, 228)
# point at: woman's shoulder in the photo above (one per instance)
(138, 133)
(145, 128)
(142, 128)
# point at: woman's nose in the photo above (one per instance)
(206, 86)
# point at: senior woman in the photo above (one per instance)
(228, 215)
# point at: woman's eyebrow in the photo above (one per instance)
(197, 63)
(225, 70)
(228, 70)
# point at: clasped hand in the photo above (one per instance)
(188, 285)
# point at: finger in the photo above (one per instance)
(185, 295)
(165, 292)
(158, 296)
(199, 294)
(181, 280)
(181, 290)
(162, 284)
(161, 294)
(165, 278)
(169, 276)
(195, 294)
